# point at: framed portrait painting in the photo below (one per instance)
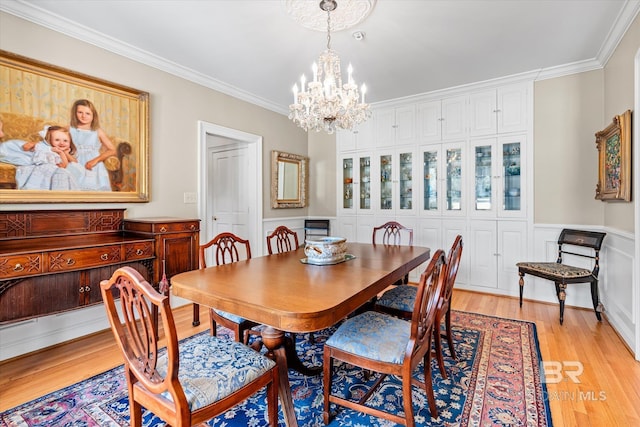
(66, 137)
(614, 160)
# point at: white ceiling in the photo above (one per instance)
(251, 48)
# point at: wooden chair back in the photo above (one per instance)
(226, 249)
(391, 234)
(285, 239)
(430, 289)
(587, 239)
(453, 263)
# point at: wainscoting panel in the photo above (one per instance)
(616, 289)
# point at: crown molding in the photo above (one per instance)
(60, 24)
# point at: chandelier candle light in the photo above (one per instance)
(325, 103)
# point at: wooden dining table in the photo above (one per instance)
(285, 294)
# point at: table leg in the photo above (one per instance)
(274, 340)
(294, 361)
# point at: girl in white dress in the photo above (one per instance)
(42, 165)
(94, 146)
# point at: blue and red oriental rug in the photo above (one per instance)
(497, 381)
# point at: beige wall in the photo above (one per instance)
(175, 107)
(619, 97)
(567, 114)
(322, 154)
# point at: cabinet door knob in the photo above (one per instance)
(71, 261)
(163, 229)
(104, 257)
(139, 251)
(192, 227)
(18, 267)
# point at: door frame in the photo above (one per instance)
(254, 153)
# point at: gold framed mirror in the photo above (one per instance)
(289, 184)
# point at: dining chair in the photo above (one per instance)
(386, 344)
(285, 240)
(181, 389)
(399, 302)
(227, 249)
(391, 233)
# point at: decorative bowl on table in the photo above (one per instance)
(325, 250)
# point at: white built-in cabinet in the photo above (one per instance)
(361, 137)
(442, 119)
(446, 166)
(500, 110)
(394, 126)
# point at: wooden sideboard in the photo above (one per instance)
(53, 260)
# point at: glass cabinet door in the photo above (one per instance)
(483, 166)
(512, 183)
(365, 183)
(454, 179)
(430, 172)
(347, 183)
(406, 181)
(386, 182)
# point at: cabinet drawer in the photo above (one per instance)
(138, 251)
(83, 258)
(159, 227)
(175, 227)
(20, 265)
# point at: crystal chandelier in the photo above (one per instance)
(325, 103)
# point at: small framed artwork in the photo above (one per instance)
(614, 160)
(67, 137)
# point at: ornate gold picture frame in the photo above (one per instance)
(614, 160)
(289, 180)
(36, 95)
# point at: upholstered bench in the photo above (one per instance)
(563, 274)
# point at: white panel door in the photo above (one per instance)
(512, 108)
(454, 117)
(482, 113)
(228, 189)
(482, 251)
(512, 248)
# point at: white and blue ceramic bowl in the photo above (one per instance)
(325, 250)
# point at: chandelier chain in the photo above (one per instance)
(328, 30)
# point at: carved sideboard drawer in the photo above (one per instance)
(84, 258)
(20, 265)
(140, 250)
(161, 225)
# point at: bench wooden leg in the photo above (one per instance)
(562, 295)
(597, 306)
(521, 282)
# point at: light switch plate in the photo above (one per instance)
(190, 197)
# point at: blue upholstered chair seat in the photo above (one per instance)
(373, 335)
(401, 298)
(232, 317)
(556, 269)
(212, 368)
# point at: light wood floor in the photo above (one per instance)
(607, 394)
